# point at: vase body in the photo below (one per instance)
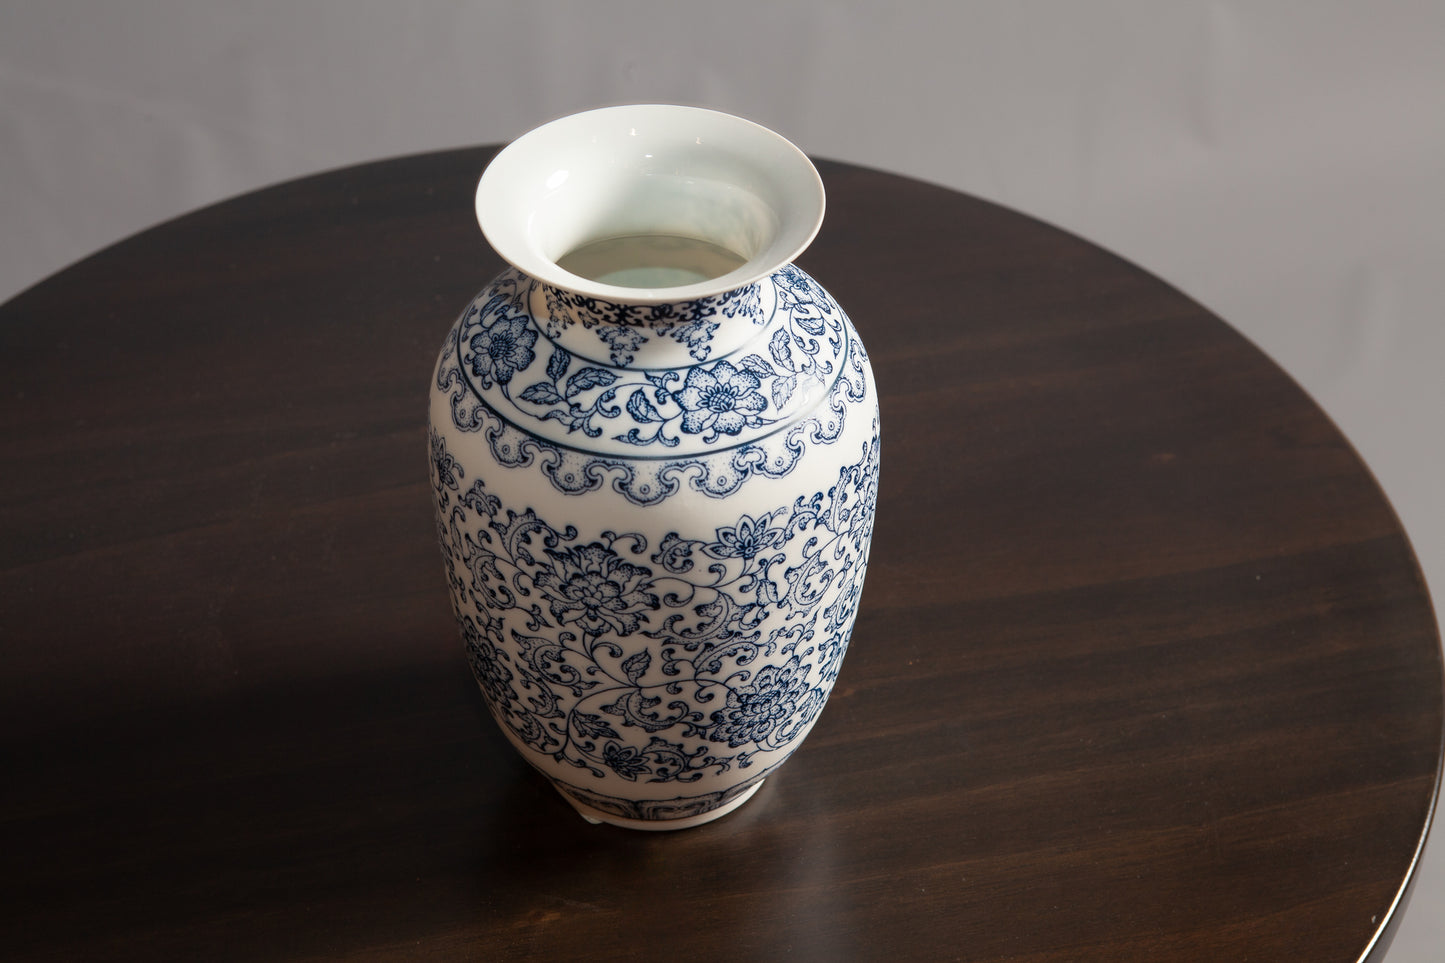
(655, 510)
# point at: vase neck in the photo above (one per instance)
(650, 335)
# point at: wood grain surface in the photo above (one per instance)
(1144, 669)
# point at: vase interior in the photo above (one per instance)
(645, 179)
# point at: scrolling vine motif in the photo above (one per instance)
(656, 663)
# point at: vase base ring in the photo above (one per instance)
(597, 816)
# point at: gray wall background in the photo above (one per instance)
(1279, 160)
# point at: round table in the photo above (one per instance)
(1145, 668)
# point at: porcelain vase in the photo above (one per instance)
(655, 483)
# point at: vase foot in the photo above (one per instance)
(597, 816)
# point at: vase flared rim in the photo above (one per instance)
(650, 169)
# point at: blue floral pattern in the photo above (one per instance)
(622, 329)
(722, 399)
(581, 423)
(503, 348)
(592, 587)
(596, 403)
(656, 663)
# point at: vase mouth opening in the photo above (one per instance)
(650, 204)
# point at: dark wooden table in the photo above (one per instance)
(1145, 669)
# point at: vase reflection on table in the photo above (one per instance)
(655, 473)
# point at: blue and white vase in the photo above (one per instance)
(654, 486)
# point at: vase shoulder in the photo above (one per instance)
(597, 397)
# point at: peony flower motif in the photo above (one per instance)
(486, 661)
(721, 400)
(592, 586)
(503, 349)
(747, 539)
(627, 762)
(754, 711)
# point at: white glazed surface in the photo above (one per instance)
(650, 169)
